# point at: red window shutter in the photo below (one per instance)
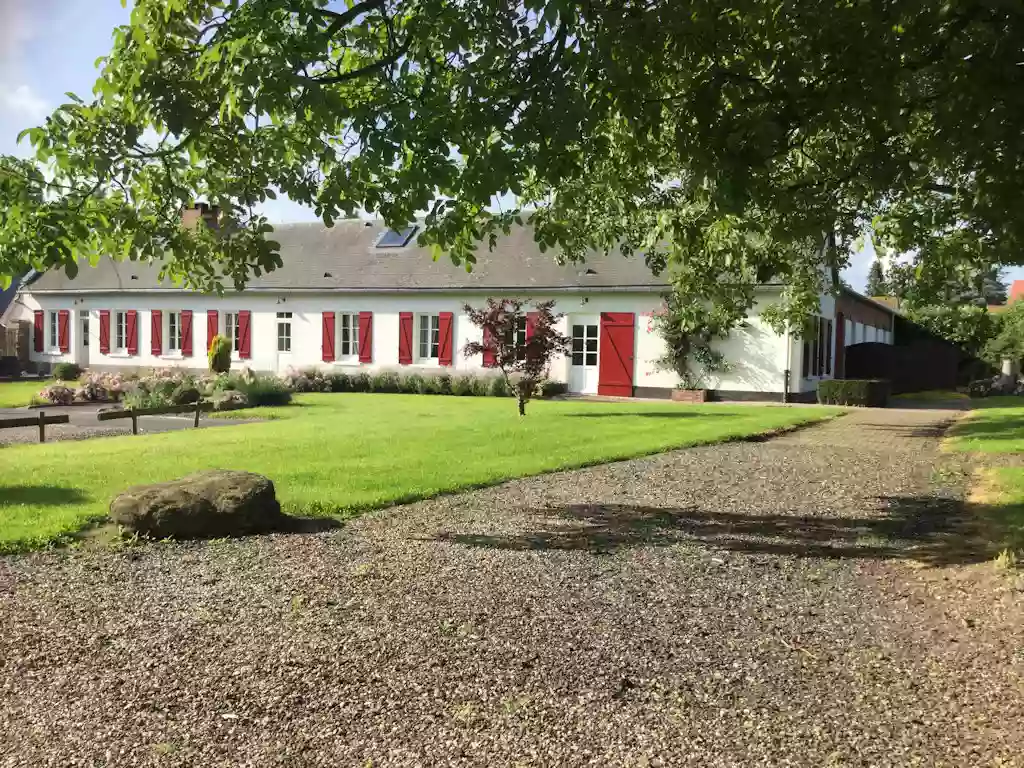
(133, 332)
(156, 332)
(64, 330)
(445, 323)
(186, 333)
(104, 331)
(212, 326)
(244, 348)
(405, 338)
(531, 323)
(37, 320)
(328, 337)
(490, 359)
(366, 337)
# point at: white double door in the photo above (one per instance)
(585, 332)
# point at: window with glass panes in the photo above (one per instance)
(284, 331)
(231, 330)
(121, 331)
(54, 331)
(348, 334)
(173, 331)
(517, 338)
(584, 344)
(84, 317)
(429, 333)
(817, 348)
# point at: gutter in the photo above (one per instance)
(384, 290)
(456, 289)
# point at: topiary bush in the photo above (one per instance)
(219, 355)
(873, 393)
(67, 372)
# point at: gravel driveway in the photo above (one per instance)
(750, 604)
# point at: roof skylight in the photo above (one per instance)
(397, 239)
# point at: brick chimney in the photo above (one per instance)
(190, 217)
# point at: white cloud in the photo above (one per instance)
(21, 103)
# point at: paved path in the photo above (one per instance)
(749, 604)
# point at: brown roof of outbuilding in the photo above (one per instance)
(346, 258)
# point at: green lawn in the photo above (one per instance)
(997, 426)
(335, 454)
(14, 394)
(932, 395)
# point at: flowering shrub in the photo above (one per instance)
(57, 394)
(101, 388)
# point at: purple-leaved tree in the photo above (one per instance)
(517, 342)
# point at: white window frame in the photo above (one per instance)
(348, 349)
(517, 338)
(172, 329)
(428, 331)
(83, 327)
(230, 329)
(586, 353)
(120, 340)
(284, 321)
(53, 331)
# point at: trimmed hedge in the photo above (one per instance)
(67, 372)
(873, 393)
(415, 382)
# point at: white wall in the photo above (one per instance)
(756, 354)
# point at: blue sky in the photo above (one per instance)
(49, 47)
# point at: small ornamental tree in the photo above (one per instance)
(518, 343)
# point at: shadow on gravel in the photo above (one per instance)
(47, 495)
(929, 431)
(929, 529)
(296, 524)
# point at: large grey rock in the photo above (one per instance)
(208, 504)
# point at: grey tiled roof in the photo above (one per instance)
(345, 258)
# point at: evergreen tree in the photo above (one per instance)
(876, 280)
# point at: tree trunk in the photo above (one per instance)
(522, 404)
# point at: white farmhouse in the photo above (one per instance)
(360, 297)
